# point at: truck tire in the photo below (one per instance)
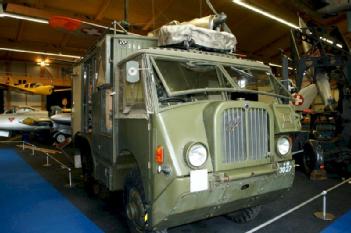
(134, 203)
(309, 158)
(90, 184)
(244, 215)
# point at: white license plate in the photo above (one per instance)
(285, 167)
(198, 180)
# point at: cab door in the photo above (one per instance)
(103, 123)
(102, 132)
(133, 113)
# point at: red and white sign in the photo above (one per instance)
(298, 99)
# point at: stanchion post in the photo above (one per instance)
(47, 161)
(300, 206)
(70, 183)
(22, 145)
(324, 204)
(70, 177)
(33, 150)
(324, 215)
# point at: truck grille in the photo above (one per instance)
(245, 134)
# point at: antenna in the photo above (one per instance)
(125, 22)
(209, 4)
(219, 15)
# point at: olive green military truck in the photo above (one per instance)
(186, 134)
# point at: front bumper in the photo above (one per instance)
(177, 205)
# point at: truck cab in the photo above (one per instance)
(186, 134)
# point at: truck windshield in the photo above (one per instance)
(184, 78)
(188, 75)
(255, 80)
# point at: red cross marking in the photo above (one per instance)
(298, 99)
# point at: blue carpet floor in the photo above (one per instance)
(340, 225)
(28, 203)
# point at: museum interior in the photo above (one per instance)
(198, 116)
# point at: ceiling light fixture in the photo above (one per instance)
(265, 13)
(32, 19)
(15, 16)
(339, 45)
(41, 53)
(42, 62)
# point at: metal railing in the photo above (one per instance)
(47, 164)
(48, 156)
(322, 215)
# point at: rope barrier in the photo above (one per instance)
(324, 213)
(35, 148)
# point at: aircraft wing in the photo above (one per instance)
(40, 90)
(12, 87)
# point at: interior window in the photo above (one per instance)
(106, 121)
(133, 95)
(132, 100)
(100, 63)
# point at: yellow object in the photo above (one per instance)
(336, 94)
(28, 121)
(33, 88)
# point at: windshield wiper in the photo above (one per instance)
(172, 99)
(198, 66)
(198, 63)
(241, 72)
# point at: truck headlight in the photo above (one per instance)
(283, 145)
(196, 155)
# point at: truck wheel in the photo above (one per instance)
(134, 203)
(308, 160)
(90, 184)
(244, 215)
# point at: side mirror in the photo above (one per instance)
(132, 68)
